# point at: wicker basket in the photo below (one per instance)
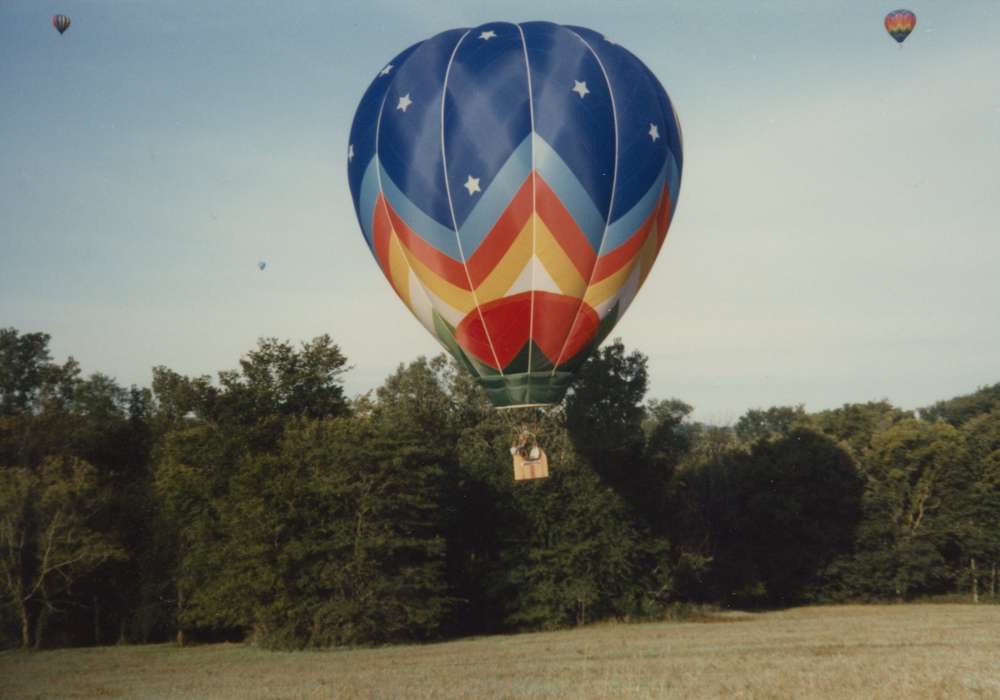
(531, 468)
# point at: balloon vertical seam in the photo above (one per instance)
(451, 205)
(611, 204)
(534, 207)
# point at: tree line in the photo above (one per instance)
(265, 505)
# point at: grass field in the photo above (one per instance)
(911, 651)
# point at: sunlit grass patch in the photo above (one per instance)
(853, 651)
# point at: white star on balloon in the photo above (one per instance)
(487, 35)
(472, 184)
(580, 88)
(387, 70)
(350, 153)
(404, 102)
(654, 132)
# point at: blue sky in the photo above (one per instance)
(836, 239)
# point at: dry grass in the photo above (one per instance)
(914, 651)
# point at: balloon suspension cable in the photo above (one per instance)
(524, 422)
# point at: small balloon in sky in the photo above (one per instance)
(899, 24)
(60, 22)
(261, 265)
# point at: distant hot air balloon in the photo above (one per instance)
(261, 265)
(899, 24)
(515, 183)
(60, 22)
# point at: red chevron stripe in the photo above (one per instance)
(498, 241)
(442, 265)
(563, 227)
(382, 231)
(619, 257)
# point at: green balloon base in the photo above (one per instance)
(526, 389)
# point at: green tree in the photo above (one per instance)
(632, 447)
(35, 399)
(856, 424)
(759, 424)
(668, 434)
(47, 412)
(192, 474)
(110, 430)
(26, 371)
(563, 550)
(47, 538)
(277, 381)
(908, 512)
(178, 399)
(962, 408)
(415, 401)
(337, 538)
(605, 412)
(769, 519)
(212, 437)
(295, 521)
(341, 539)
(580, 557)
(982, 506)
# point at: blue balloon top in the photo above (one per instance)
(500, 100)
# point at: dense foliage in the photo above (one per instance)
(266, 505)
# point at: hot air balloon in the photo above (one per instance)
(261, 265)
(515, 183)
(60, 22)
(899, 24)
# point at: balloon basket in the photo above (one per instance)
(530, 460)
(527, 468)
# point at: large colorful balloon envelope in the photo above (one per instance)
(60, 22)
(899, 24)
(515, 183)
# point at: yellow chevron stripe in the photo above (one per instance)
(647, 256)
(502, 276)
(556, 262)
(399, 270)
(456, 297)
(498, 282)
(608, 287)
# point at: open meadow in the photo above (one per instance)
(911, 651)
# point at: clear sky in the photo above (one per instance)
(837, 237)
